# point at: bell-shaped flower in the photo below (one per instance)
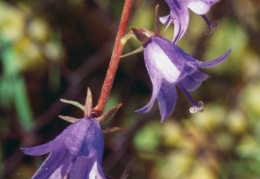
(76, 153)
(179, 10)
(168, 65)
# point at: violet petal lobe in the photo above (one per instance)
(52, 166)
(178, 65)
(201, 7)
(158, 55)
(53, 145)
(167, 99)
(92, 170)
(77, 133)
(180, 58)
(212, 63)
(179, 11)
(94, 142)
(194, 80)
(96, 171)
(176, 55)
(154, 73)
(156, 89)
(82, 167)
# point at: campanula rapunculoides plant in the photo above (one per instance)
(77, 152)
(168, 65)
(179, 10)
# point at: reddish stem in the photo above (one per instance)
(115, 58)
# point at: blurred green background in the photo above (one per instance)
(55, 49)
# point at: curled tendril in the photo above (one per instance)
(211, 27)
(197, 108)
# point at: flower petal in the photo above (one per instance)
(167, 99)
(177, 56)
(77, 132)
(158, 61)
(55, 166)
(179, 11)
(173, 62)
(93, 142)
(181, 23)
(82, 167)
(165, 19)
(86, 168)
(156, 89)
(96, 171)
(201, 7)
(53, 145)
(64, 167)
(151, 50)
(85, 138)
(194, 80)
(212, 63)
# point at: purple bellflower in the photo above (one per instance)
(168, 65)
(179, 10)
(76, 153)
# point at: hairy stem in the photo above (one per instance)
(115, 58)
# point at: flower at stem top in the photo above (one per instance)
(77, 152)
(168, 65)
(179, 10)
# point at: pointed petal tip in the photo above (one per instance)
(226, 54)
(34, 151)
(149, 106)
(212, 63)
(28, 151)
(143, 110)
(24, 150)
(163, 119)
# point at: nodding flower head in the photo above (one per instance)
(168, 65)
(75, 153)
(179, 9)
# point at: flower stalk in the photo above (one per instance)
(115, 58)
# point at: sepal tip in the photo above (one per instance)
(108, 114)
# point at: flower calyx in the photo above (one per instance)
(144, 35)
(89, 112)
